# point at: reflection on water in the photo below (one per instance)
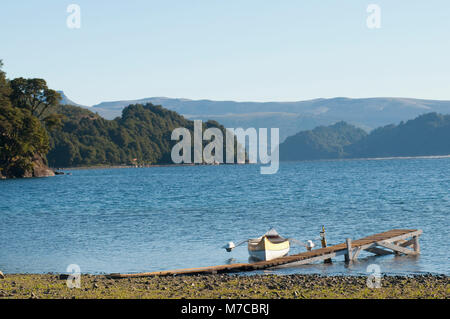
(231, 261)
(149, 219)
(252, 259)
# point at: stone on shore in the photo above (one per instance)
(40, 169)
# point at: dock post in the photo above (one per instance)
(416, 244)
(397, 243)
(324, 244)
(348, 255)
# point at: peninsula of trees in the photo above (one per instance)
(426, 135)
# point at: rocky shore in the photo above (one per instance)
(39, 169)
(52, 286)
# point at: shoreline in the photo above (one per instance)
(115, 167)
(53, 286)
(188, 165)
(372, 158)
(59, 169)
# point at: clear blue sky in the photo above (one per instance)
(234, 49)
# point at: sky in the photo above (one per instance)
(242, 50)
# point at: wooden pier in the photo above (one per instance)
(396, 241)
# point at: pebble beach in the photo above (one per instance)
(53, 286)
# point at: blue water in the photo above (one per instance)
(148, 219)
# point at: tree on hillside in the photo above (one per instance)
(34, 95)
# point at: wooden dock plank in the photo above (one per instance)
(369, 242)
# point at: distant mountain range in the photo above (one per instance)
(426, 135)
(290, 117)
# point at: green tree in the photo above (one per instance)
(22, 136)
(34, 95)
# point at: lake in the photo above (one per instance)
(160, 218)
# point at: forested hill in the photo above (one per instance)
(320, 143)
(141, 135)
(427, 135)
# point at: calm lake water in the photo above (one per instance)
(148, 219)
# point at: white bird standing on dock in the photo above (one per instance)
(310, 245)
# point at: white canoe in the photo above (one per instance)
(269, 246)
